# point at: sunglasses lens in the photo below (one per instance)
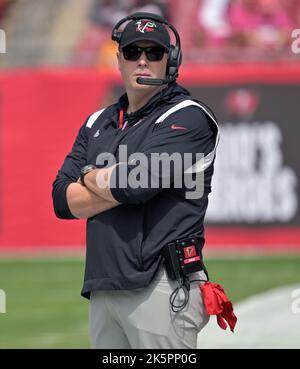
(133, 53)
(155, 53)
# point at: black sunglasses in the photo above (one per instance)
(153, 53)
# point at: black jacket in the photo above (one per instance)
(124, 244)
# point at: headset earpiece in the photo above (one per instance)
(174, 61)
(116, 35)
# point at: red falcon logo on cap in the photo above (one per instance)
(145, 26)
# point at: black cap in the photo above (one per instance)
(145, 30)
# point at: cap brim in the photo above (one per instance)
(144, 39)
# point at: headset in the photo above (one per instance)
(174, 55)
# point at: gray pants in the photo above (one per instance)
(142, 318)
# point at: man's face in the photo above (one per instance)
(143, 67)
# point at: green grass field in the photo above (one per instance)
(44, 308)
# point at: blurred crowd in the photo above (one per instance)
(216, 27)
(247, 23)
(210, 30)
(4, 5)
(109, 12)
(103, 15)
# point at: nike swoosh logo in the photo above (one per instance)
(173, 126)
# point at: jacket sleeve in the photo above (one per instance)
(69, 173)
(185, 131)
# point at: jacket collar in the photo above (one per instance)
(161, 98)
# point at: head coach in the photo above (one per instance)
(144, 242)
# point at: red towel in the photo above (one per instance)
(217, 303)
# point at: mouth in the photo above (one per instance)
(142, 75)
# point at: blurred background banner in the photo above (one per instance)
(240, 57)
(255, 189)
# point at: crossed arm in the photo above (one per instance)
(93, 198)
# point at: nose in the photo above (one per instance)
(143, 60)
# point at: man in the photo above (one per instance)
(131, 300)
